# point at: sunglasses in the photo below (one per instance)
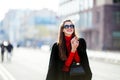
(68, 26)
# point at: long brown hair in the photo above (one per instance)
(61, 41)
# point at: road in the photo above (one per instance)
(26, 64)
(32, 64)
(104, 70)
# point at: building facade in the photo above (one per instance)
(98, 21)
(25, 26)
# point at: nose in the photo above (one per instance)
(69, 27)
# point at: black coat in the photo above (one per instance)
(55, 65)
(2, 48)
(9, 47)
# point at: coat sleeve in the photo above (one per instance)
(85, 60)
(51, 74)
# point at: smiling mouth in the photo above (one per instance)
(69, 30)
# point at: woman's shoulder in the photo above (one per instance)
(82, 40)
(82, 43)
(55, 45)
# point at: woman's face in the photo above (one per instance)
(68, 28)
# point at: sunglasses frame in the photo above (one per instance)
(69, 26)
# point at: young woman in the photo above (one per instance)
(69, 48)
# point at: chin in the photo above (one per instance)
(70, 33)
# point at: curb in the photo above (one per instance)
(107, 56)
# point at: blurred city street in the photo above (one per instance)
(27, 27)
(32, 64)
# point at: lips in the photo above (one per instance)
(69, 30)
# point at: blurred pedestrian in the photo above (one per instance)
(9, 48)
(2, 51)
(67, 50)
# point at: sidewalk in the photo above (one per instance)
(108, 56)
(1, 77)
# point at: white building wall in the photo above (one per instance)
(103, 2)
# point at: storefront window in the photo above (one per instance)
(116, 38)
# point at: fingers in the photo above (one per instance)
(75, 39)
(74, 42)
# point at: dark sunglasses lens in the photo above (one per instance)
(71, 26)
(67, 26)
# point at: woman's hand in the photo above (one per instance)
(74, 44)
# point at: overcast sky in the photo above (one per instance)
(5, 5)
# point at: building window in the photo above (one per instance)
(116, 38)
(116, 1)
(116, 34)
(90, 3)
(116, 17)
(86, 4)
(90, 19)
(86, 19)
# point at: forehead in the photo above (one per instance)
(68, 23)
